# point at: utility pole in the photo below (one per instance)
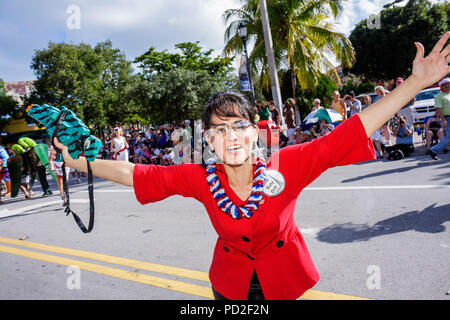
(274, 84)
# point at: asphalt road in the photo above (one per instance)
(375, 230)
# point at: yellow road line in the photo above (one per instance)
(142, 265)
(116, 273)
(324, 295)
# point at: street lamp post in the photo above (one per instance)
(242, 32)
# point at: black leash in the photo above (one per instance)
(91, 200)
(80, 224)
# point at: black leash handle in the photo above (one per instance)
(91, 200)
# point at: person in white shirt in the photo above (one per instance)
(119, 146)
(353, 103)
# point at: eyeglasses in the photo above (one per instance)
(238, 128)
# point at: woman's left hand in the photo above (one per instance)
(430, 69)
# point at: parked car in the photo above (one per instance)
(424, 105)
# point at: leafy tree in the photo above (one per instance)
(386, 52)
(9, 108)
(176, 86)
(94, 82)
(301, 38)
(180, 94)
(323, 91)
(191, 58)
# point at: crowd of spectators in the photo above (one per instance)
(164, 145)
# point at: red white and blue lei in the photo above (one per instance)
(224, 203)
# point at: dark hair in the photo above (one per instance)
(228, 104)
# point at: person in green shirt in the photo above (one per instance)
(442, 106)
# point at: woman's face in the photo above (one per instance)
(232, 139)
(379, 93)
(366, 100)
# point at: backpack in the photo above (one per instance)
(396, 155)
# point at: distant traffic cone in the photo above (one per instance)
(8, 188)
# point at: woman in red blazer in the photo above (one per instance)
(260, 253)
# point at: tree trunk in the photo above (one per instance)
(294, 86)
(101, 134)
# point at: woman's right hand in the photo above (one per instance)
(64, 150)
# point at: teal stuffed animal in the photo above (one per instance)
(68, 128)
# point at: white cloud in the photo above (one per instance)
(162, 23)
(345, 22)
(367, 7)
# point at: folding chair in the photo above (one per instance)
(434, 138)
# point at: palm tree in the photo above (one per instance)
(303, 39)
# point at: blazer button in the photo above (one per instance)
(244, 238)
(280, 243)
(226, 249)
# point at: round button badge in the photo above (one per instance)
(274, 184)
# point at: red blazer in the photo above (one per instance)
(270, 241)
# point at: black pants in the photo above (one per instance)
(254, 290)
(43, 178)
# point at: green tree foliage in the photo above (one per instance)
(191, 58)
(323, 90)
(301, 38)
(98, 83)
(386, 52)
(176, 86)
(94, 82)
(179, 94)
(358, 89)
(8, 107)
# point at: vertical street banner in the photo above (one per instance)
(243, 74)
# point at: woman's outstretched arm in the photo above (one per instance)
(116, 171)
(426, 71)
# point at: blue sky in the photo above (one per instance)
(132, 26)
